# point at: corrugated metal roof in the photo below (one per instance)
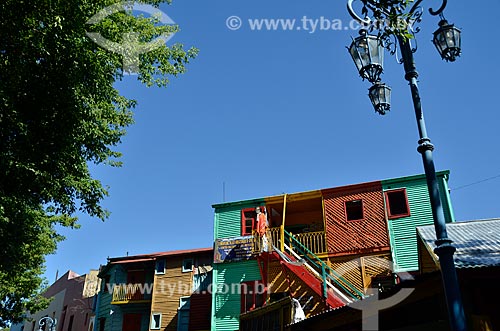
(477, 242)
(145, 257)
(299, 195)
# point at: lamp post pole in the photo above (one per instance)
(367, 53)
(444, 247)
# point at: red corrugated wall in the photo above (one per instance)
(356, 237)
(200, 310)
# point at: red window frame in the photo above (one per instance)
(250, 298)
(388, 204)
(362, 210)
(244, 230)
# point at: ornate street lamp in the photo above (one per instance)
(447, 41)
(401, 19)
(380, 96)
(47, 321)
(368, 54)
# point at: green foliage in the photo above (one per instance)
(396, 16)
(59, 111)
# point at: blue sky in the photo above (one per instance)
(268, 112)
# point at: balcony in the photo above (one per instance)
(131, 293)
(314, 241)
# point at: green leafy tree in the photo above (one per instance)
(60, 112)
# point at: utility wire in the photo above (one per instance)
(474, 183)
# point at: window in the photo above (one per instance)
(397, 203)
(187, 265)
(160, 267)
(248, 221)
(253, 295)
(155, 321)
(354, 210)
(102, 323)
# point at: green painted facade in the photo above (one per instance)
(226, 302)
(228, 217)
(226, 299)
(402, 231)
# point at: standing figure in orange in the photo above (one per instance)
(262, 227)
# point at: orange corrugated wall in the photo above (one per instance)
(355, 237)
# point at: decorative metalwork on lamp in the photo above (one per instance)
(367, 50)
(47, 321)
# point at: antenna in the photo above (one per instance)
(223, 191)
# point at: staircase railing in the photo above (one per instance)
(327, 273)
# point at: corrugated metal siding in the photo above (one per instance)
(199, 314)
(168, 289)
(228, 219)
(402, 231)
(227, 304)
(353, 237)
(228, 223)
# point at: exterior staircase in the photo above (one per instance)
(310, 280)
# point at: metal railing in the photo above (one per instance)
(327, 273)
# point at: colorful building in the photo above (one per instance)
(166, 291)
(326, 248)
(72, 298)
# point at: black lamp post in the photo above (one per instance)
(399, 18)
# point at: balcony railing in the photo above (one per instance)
(129, 293)
(314, 241)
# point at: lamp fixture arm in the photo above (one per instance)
(440, 10)
(350, 9)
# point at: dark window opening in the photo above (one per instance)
(397, 204)
(102, 323)
(354, 210)
(106, 281)
(160, 266)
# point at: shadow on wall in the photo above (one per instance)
(172, 325)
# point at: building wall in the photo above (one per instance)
(228, 218)
(360, 236)
(226, 302)
(113, 314)
(69, 302)
(199, 315)
(402, 231)
(168, 289)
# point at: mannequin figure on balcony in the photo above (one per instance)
(262, 227)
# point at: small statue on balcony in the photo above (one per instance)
(262, 228)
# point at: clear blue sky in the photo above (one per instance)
(269, 112)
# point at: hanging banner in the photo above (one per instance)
(233, 249)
